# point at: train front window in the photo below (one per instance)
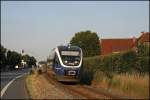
(70, 58)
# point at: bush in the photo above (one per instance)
(142, 64)
(87, 71)
(127, 62)
(143, 50)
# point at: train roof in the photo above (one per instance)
(68, 48)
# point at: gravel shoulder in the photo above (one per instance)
(39, 88)
(45, 86)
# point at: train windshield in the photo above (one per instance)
(71, 58)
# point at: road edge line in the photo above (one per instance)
(6, 87)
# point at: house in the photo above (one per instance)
(144, 38)
(116, 45)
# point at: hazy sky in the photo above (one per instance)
(39, 26)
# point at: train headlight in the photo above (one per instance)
(66, 61)
(76, 62)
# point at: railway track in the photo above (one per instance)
(81, 91)
(61, 86)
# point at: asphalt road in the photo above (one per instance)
(17, 89)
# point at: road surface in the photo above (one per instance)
(16, 90)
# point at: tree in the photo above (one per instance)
(3, 56)
(30, 60)
(26, 58)
(42, 62)
(13, 58)
(88, 41)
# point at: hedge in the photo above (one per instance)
(127, 62)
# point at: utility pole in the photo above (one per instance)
(22, 61)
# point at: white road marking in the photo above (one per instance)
(9, 76)
(5, 88)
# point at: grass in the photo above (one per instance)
(134, 85)
(105, 72)
(29, 86)
(32, 84)
(40, 88)
(29, 83)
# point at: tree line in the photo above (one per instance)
(12, 58)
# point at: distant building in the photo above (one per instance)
(116, 45)
(23, 64)
(144, 38)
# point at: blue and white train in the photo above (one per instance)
(66, 63)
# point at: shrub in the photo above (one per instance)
(86, 75)
(126, 62)
(142, 65)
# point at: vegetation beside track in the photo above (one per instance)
(127, 73)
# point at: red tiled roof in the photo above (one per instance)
(116, 45)
(144, 37)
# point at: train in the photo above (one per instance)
(67, 61)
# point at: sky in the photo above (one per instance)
(38, 26)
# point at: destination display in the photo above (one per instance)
(70, 53)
